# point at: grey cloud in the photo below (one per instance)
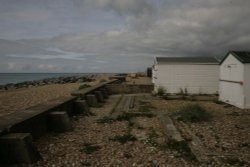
(121, 7)
(27, 67)
(46, 18)
(136, 13)
(123, 64)
(9, 47)
(184, 28)
(153, 28)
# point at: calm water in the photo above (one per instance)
(21, 77)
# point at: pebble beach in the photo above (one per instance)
(21, 99)
(99, 139)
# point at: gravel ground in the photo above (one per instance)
(67, 149)
(227, 135)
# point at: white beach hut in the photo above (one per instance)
(193, 75)
(234, 87)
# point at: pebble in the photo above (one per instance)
(113, 153)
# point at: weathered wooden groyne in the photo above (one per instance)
(17, 130)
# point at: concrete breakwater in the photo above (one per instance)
(48, 81)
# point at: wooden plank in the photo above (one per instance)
(132, 102)
(123, 106)
(118, 108)
(127, 103)
(84, 91)
(8, 121)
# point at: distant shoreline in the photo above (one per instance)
(35, 79)
(17, 78)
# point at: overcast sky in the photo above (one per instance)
(116, 35)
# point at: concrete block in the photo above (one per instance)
(81, 107)
(92, 100)
(58, 121)
(104, 93)
(99, 96)
(16, 148)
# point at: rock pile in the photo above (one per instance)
(48, 81)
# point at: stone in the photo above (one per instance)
(81, 107)
(99, 96)
(91, 100)
(58, 121)
(16, 148)
(10, 86)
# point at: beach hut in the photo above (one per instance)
(234, 85)
(191, 75)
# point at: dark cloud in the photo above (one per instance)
(165, 27)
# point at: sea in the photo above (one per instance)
(6, 78)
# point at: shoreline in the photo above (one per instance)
(15, 78)
(48, 81)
